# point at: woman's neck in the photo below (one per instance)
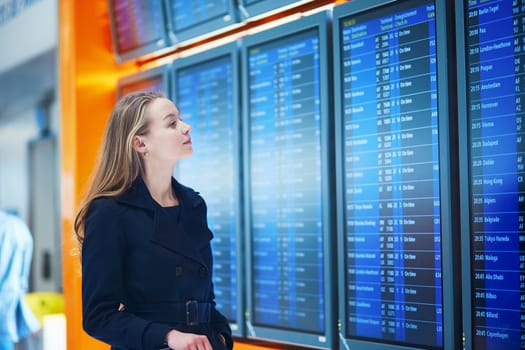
(161, 191)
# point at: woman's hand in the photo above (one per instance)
(187, 341)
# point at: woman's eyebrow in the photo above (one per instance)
(170, 115)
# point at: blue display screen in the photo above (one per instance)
(137, 23)
(285, 183)
(205, 100)
(392, 219)
(186, 14)
(495, 37)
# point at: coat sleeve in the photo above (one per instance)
(219, 322)
(221, 325)
(103, 254)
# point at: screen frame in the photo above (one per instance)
(206, 28)
(320, 22)
(450, 221)
(262, 7)
(464, 135)
(163, 72)
(230, 50)
(142, 50)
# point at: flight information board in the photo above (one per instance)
(390, 182)
(205, 91)
(286, 99)
(495, 71)
(193, 18)
(154, 79)
(138, 27)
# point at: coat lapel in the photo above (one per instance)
(185, 235)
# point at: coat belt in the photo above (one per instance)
(190, 313)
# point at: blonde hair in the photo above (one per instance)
(118, 164)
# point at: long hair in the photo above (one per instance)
(118, 164)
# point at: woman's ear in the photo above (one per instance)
(138, 144)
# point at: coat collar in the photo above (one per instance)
(138, 195)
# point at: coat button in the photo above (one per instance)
(178, 271)
(203, 271)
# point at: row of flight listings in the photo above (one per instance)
(357, 192)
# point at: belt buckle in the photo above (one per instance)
(192, 313)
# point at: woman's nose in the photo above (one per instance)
(187, 128)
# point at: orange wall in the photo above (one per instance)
(88, 77)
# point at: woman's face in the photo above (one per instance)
(168, 138)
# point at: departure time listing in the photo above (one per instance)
(391, 163)
(496, 84)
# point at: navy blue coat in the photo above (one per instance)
(157, 266)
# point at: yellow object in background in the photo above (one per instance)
(45, 303)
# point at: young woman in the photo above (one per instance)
(144, 237)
